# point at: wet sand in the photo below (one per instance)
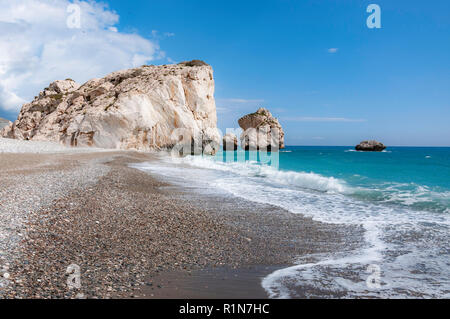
(210, 283)
(136, 236)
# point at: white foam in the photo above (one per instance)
(411, 194)
(326, 199)
(364, 152)
(272, 175)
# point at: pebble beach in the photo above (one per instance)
(126, 229)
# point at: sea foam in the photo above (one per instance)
(307, 180)
(388, 221)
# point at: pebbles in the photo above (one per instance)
(120, 227)
(30, 183)
(37, 147)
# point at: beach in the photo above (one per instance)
(96, 223)
(135, 236)
(147, 153)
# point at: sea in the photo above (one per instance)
(400, 197)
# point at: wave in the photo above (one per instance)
(409, 195)
(398, 239)
(352, 150)
(272, 175)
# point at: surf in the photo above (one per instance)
(389, 211)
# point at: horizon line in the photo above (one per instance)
(353, 146)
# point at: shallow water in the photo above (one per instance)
(401, 198)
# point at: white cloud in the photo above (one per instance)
(243, 101)
(323, 119)
(222, 110)
(170, 60)
(9, 98)
(333, 50)
(157, 35)
(37, 47)
(238, 105)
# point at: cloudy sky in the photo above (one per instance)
(315, 64)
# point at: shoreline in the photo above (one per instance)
(127, 230)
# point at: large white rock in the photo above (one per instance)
(261, 131)
(146, 108)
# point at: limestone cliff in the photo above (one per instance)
(146, 108)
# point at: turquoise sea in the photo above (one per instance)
(400, 197)
(417, 177)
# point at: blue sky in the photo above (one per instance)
(391, 84)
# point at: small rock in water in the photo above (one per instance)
(370, 146)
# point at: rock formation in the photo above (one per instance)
(4, 123)
(261, 131)
(370, 146)
(230, 142)
(146, 108)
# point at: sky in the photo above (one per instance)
(327, 77)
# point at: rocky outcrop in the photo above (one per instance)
(261, 131)
(4, 123)
(230, 142)
(146, 108)
(370, 146)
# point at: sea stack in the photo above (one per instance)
(261, 131)
(370, 146)
(145, 108)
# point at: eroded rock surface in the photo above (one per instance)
(261, 131)
(370, 146)
(146, 108)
